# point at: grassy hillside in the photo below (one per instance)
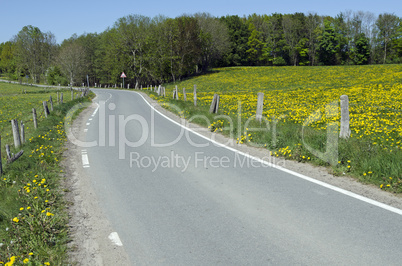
(297, 112)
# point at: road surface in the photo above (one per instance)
(175, 198)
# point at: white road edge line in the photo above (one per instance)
(114, 237)
(312, 180)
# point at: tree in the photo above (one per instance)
(214, 37)
(160, 50)
(360, 52)
(189, 45)
(256, 47)
(7, 59)
(91, 42)
(388, 26)
(34, 51)
(313, 31)
(328, 44)
(397, 43)
(341, 39)
(293, 31)
(275, 40)
(72, 61)
(238, 38)
(133, 33)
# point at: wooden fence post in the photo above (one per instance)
(260, 105)
(72, 95)
(51, 103)
(177, 93)
(345, 129)
(58, 102)
(8, 152)
(184, 94)
(16, 133)
(61, 98)
(45, 109)
(35, 121)
(214, 104)
(22, 133)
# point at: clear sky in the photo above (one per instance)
(64, 18)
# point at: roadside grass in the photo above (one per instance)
(296, 121)
(33, 216)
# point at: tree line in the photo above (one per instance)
(161, 49)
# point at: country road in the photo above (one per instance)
(174, 197)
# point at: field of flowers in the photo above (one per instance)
(33, 220)
(292, 95)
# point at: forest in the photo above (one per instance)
(161, 49)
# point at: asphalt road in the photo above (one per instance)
(175, 198)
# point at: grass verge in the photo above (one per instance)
(33, 215)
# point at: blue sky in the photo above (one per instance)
(64, 18)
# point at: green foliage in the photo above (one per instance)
(256, 49)
(278, 61)
(7, 58)
(238, 36)
(328, 44)
(55, 77)
(360, 54)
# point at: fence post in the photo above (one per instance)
(184, 94)
(51, 103)
(58, 98)
(8, 152)
(61, 98)
(22, 133)
(35, 121)
(345, 129)
(16, 133)
(72, 95)
(46, 110)
(214, 104)
(260, 105)
(195, 95)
